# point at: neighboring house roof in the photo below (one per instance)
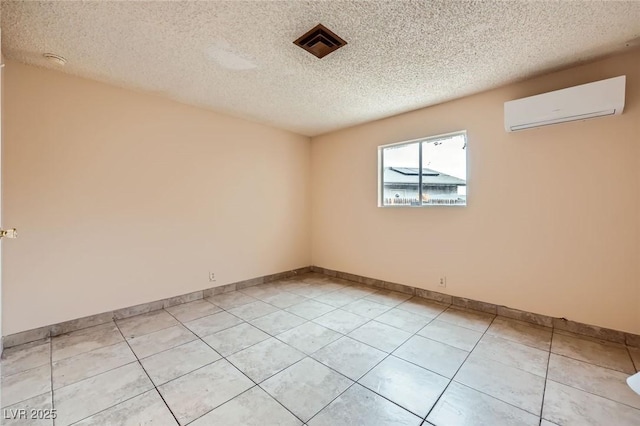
(409, 176)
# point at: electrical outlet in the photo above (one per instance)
(443, 282)
(212, 276)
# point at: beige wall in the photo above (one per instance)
(122, 198)
(552, 223)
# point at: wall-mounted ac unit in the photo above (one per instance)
(597, 99)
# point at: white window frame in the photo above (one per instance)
(381, 149)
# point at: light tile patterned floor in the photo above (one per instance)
(320, 351)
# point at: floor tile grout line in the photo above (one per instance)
(317, 350)
(276, 399)
(110, 323)
(105, 409)
(328, 328)
(452, 379)
(365, 343)
(3, 359)
(280, 308)
(441, 342)
(255, 384)
(516, 341)
(385, 397)
(115, 405)
(145, 334)
(430, 317)
(486, 332)
(148, 376)
(243, 322)
(398, 328)
(23, 400)
(385, 357)
(602, 343)
(369, 320)
(589, 338)
(350, 284)
(70, 384)
(247, 321)
(197, 318)
(392, 354)
(182, 375)
(525, 323)
(40, 394)
(592, 363)
(49, 336)
(311, 319)
(330, 402)
(240, 350)
(286, 291)
(433, 340)
(188, 372)
(135, 361)
(308, 356)
(114, 319)
(351, 331)
(594, 394)
(389, 354)
(222, 329)
(357, 381)
(491, 396)
(508, 365)
(457, 370)
(87, 352)
(462, 326)
(633, 361)
(234, 366)
(51, 361)
(546, 378)
(168, 349)
(228, 328)
(374, 366)
(53, 407)
(496, 398)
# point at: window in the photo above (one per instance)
(424, 172)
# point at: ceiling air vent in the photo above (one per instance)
(320, 41)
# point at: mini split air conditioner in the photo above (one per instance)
(597, 99)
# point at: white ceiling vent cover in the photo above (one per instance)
(597, 99)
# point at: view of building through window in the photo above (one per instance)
(442, 161)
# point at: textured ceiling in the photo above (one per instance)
(238, 57)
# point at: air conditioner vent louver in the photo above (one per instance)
(320, 41)
(597, 99)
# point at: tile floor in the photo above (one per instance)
(320, 351)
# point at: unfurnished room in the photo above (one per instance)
(320, 213)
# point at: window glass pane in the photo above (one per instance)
(400, 175)
(444, 171)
